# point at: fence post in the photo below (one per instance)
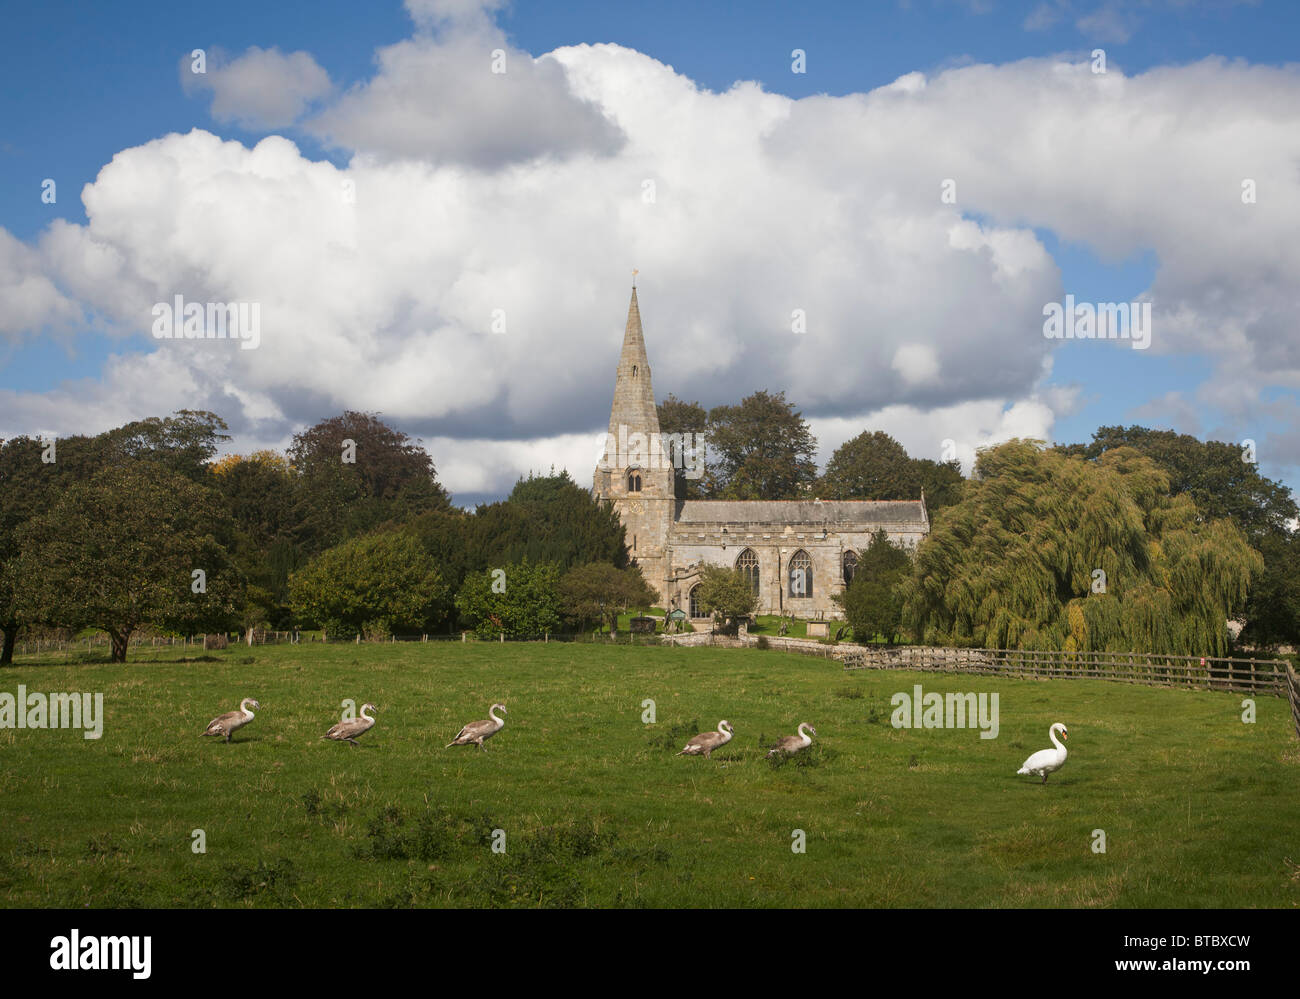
(1292, 682)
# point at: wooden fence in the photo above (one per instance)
(1293, 692)
(1268, 676)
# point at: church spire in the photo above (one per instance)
(634, 397)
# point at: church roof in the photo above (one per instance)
(794, 512)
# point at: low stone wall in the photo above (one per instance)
(807, 646)
(913, 657)
(908, 657)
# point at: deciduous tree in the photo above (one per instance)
(761, 449)
(522, 600)
(873, 602)
(377, 584)
(121, 550)
(1223, 480)
(598, 591)
(350, 489)
(1048, 551)
(683, 421)
(874, 466)
(726, 594)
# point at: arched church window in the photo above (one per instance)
(695, 609)
(850, 566)
(634, 371)
(634, 482)
(747, 563)
(801, 574)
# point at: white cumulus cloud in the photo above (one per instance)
(259, 90)
(470, 281)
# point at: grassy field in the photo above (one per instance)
(1198, 808)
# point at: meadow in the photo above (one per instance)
(580, 802)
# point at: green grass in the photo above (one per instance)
(1199, 809)
(770, 624)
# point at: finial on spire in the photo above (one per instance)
(634, 274)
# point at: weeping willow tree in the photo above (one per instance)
(1047, 551)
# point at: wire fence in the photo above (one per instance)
(101, 643)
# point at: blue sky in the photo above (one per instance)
(83, 82)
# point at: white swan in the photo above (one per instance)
(706, 742)
(351, 730)
(794, 743)
(1047, 761)
(475, 732)
(231, 721)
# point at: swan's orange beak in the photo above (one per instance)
(1065, 735)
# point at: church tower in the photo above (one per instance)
(635, 473)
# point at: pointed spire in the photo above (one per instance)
(634, 397)
(634, 337)
(633, 417)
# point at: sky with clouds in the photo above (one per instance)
(437, 207)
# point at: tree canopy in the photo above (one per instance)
(874, 466)
(121, 550)
(686, 419)
(873, 601)
(1167, 520)
(357, 472)
(183, 442)
(1223, 480)
(375, 585)
(546, 518)
(761, 449)
(601, 592)
(36, 474)
(1050, 551)
(522, 600)
(726, 594)
(1220, 477)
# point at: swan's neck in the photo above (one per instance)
(725, 729)
(807, 739)
(1052, 732)
(243, 706)
(492, 713)
(364, 716)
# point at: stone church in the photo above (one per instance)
(797, 554)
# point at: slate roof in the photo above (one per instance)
(779, 513)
